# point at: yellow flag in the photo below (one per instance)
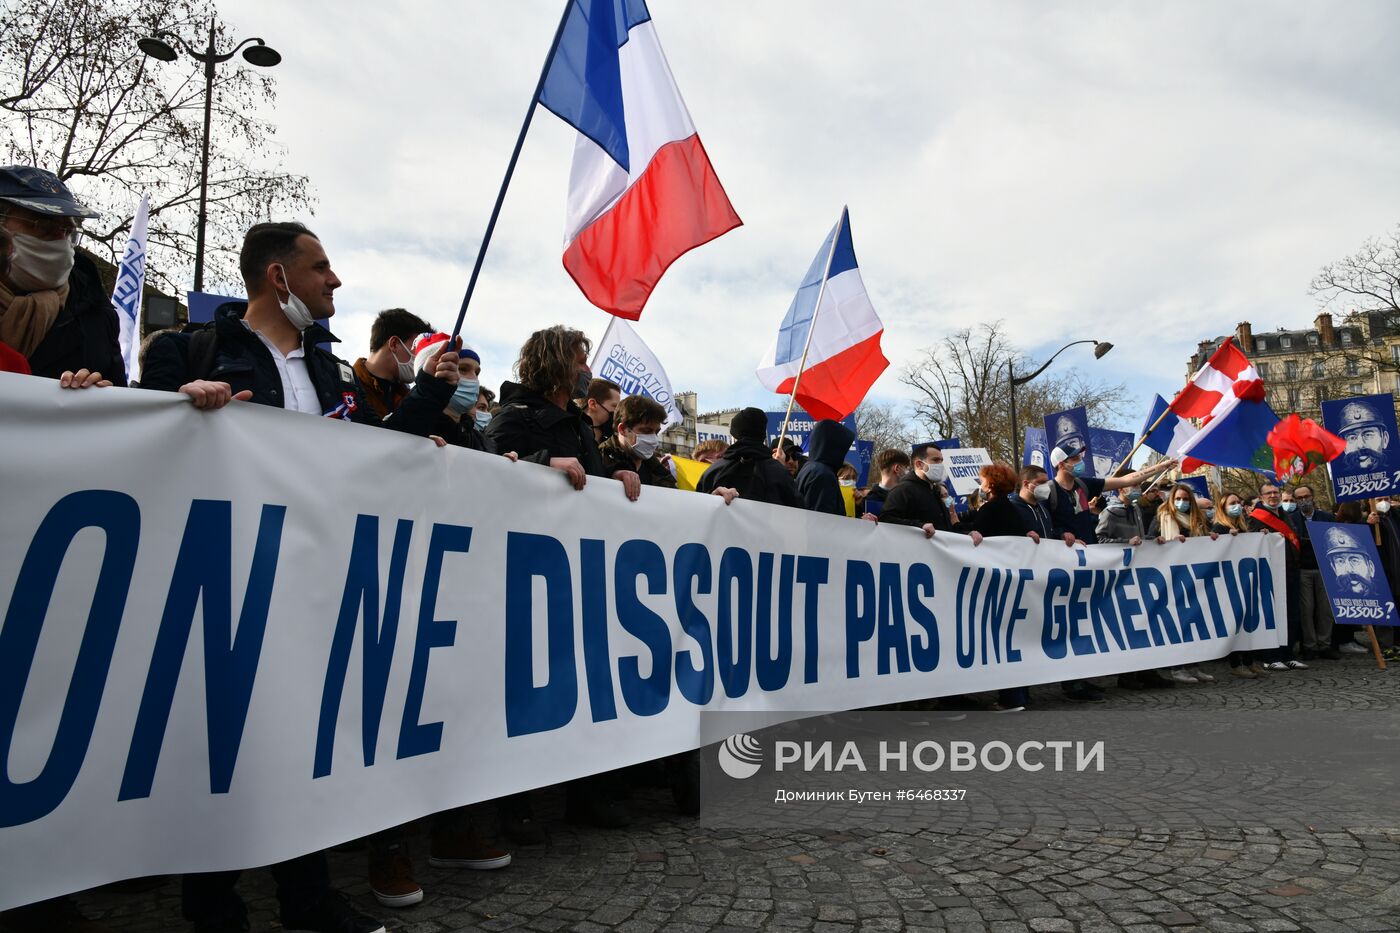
(688, 472)
(848, 495)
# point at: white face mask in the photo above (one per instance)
(644, 445)
(1041, 492)
(847, 482)
(298, 314)
(935, 472)
(406, 371)
(1383, 505)
(38, 265)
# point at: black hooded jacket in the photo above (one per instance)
(915, 501)
(749, 467)
(539, 430)
(816, 481)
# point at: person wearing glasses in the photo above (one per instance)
(53, 308)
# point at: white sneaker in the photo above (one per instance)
(1275, 666)
(1296, 665)
(1352, 647)
(1184, 677)
(1203, 677)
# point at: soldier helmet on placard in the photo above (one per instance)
(1339, 541)
(1357, 416)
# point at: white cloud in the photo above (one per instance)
(1148, 176)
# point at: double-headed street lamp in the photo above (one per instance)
(1100, 349)
(258, 53)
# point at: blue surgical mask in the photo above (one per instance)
(1182, 505)
(1289, 506)
(1134, 495)
(464, 398)
(1078, 468)
(483, 418)
(948, 502)
(1234, 509)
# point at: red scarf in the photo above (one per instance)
(1264, 516)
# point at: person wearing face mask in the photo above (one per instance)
(1315, 609)
(635, 441)
(1179, 518)
(53, 309)
(266, 351)
(917, 499)
(1121, 522)
(1029, 500)
(1071, 490)
(1270, 517)
(1232, 518)
(462, 423)
(599, 405)
(538, 418)
(386, 374)
(484, 408)
(816, 481)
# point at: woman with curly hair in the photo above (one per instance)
(538, 418)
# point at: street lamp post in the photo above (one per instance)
(1013, 380)
(258, 53)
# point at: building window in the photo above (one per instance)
(1346, 338)
(1321, 394)
(1317, 369)
(1263, 370)
(1395, 352)
(1356, 388)
(1294, 399)
(1312, 340)
(1290, 370)
(1353, 368)
(1285, 342)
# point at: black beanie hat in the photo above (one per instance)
(751, 424)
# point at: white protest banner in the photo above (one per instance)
(710, 432)
(253, 633)
(624, 358)
(963, 464)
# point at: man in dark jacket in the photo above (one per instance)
(891, 464)
(748, 465)
(265, 352)
(53, 309)
(816, 481)
(917, 499)
(388, 371)
(1314, 609)
(634, 442)
(1268, 517)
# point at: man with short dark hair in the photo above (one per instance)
(635, 440)
(891, 464)
(599, 406)
(387, 372)
(917, 499)
(266, 351)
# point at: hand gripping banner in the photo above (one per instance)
(233, 637)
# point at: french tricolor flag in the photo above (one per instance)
(840, 339)
(1228, 375)
(642, 191)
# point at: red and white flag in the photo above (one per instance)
(1227, 377)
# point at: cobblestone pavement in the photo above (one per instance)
(670, 873)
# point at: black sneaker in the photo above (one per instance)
(331, 915)
(1330, 654)
(1082, 693)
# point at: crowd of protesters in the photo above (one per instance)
(55, 321)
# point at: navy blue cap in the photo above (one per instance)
(40, 191)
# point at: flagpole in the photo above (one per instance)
(1145, 434)
(510, 170)
(812, 326)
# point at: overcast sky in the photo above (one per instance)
(1143, 174)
